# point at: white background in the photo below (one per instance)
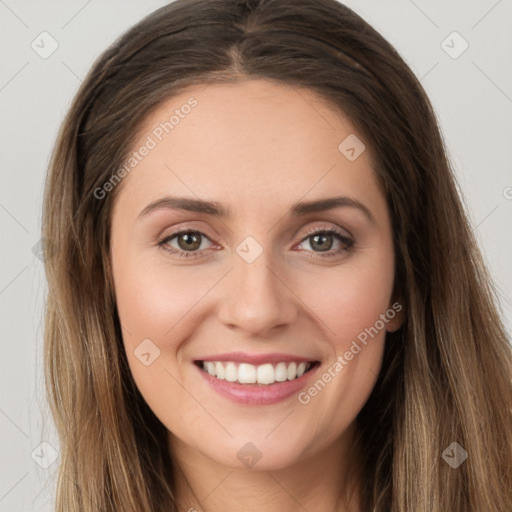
(472, 95)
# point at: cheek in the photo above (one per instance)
(153, 299)
(350, 298)
(164, 305)
(351, 306)
(153, 302)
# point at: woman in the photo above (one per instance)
(265, 293)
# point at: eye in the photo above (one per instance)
(189, 241)
(322, 240)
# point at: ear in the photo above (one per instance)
(396, 316)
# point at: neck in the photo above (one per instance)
(318, 482)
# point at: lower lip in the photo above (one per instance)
(254, 394)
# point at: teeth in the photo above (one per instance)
(220, 371)
(246, 374)
(210, 368)
(281, 373)
(291, 372)
(263, 374)
(231, 372)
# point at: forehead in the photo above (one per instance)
(247, 141)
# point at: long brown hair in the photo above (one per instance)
(446, 374)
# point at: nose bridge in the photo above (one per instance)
(257, 299)
(254, 267)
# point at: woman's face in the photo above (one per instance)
(262, 284)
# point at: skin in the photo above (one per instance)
(256, 147)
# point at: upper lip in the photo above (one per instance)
(257, 359)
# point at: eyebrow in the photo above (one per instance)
(214, 208)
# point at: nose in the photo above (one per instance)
(256, 298)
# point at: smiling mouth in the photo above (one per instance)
(263, 374)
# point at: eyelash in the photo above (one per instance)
(346, 241)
